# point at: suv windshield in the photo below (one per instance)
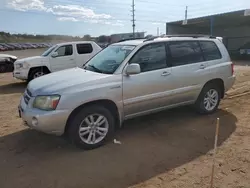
(109, 59)
(47, 52)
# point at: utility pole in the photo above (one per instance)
(157, 31)
(186, 12)
(133, 17)
(185, 19)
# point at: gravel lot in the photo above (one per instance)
(167, 149)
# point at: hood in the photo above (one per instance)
(7, 56)
(65, 80)
(30, 59)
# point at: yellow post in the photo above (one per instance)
(215, 148)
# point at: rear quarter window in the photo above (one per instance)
(210, 50)
(84, 48)
(185, 52)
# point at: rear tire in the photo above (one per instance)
(209, 99)
(91, 127)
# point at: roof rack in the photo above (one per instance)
(190, 35)
(131, 39)
(183, 35)
(169, 36)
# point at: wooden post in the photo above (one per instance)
(215, 148)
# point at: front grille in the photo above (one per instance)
(26, 96)
(28, 92)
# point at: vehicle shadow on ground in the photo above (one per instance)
(149, 146)
(12, 88)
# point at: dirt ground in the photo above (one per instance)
(165, 150)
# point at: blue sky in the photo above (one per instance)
(96, 17)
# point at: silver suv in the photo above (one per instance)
(126, 80)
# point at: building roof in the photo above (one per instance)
(234, 19)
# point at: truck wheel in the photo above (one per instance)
(36, 73)
(209, 99)
(91, 127)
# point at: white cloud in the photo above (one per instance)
(71, 13)
(78, 12)
(157, 23)
(24, 5)
(72, 19)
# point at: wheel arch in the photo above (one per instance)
(219, 82)
(109, 104)
(32, 69)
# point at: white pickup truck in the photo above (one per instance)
(58, 57)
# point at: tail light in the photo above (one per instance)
(232, 68)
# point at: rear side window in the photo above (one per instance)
(185, 52)
(84, 48)
(210, 50)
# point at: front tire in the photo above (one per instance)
(91, 127)
(36, 73)
(209, 99)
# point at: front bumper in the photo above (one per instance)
(51, 122)
(21, 74)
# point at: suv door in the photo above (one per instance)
(64, 60)
(189, 71)
(149, 90)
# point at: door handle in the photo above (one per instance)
(202, 66)
(71, 59)
(165, 73)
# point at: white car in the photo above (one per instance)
(58, 57)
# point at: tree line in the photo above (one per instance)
(6, 36)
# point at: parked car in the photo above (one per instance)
(245, 50)
(35, 45)
(7, 62)
(8, 47)
(17, 46)
(3, 48)
(126, 80)
(58, 57)
(14, 46)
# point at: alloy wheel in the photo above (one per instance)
(211, 99)
(93, 129)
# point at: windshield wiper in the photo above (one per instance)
(93, 67)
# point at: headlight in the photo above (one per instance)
(19, 65)
(46, 102)
(24, 65)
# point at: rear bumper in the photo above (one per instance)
(229, 82)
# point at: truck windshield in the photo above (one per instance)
(48, 51)
(109, 59)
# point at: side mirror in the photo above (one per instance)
(133, 68)
(54, 54)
